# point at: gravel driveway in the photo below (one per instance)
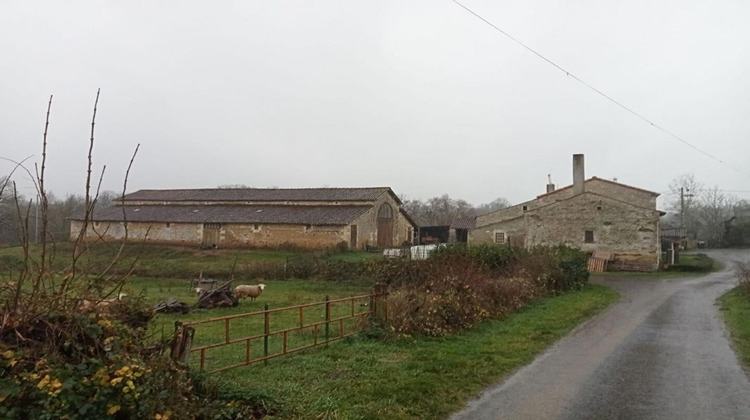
(661, 352)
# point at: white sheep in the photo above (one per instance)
(249, 291)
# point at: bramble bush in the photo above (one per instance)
(743, 277)
(80, 365)
(69, 349)
(459, 287)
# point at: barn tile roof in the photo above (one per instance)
(261, 194)
(261, 214)
(464, 223)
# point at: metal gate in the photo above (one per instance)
(244, 339)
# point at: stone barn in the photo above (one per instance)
(255, 217)
(592, 214)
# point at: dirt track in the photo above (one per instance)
(661, 352)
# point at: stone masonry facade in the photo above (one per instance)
(286, 218)
(603, 215)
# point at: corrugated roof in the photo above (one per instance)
(263, 214)
(261, 194)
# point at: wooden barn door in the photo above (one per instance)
(353, 239)
(211, 235)
(385, 225)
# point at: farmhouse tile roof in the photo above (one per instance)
(594, 178)
(261, 194)
(261, 214)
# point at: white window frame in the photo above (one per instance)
(494, 237)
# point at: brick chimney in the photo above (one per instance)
(550, 185)
(578, 174)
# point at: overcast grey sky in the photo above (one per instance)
(420, 96)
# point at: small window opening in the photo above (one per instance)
(256, 226)
(525, 208)
(169, 224)
(499, 237)
(589, 237)
(598, 207)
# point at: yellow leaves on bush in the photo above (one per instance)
(123, 371)
(113, 409)
(105, 323)
(43, 383)
(53, 387)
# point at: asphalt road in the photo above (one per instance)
(661, 352)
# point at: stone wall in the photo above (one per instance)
(260, 235)
(515, 229)
(171, 233)
(231, 235)
(630, 232)
(367, 224)
(273, 235)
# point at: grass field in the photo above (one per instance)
(177, 262)
(735, 305)
(368, 378)
(278, 293)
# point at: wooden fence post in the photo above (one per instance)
(380, 302)
(267, 329)
(182, 341)
(328, 318)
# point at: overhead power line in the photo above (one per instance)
(609, 98)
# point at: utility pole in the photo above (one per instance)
(682, 205)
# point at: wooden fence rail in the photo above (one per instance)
(231, 340)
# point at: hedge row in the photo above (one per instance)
(459, 287)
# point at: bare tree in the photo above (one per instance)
(714, 212)
(496, 204)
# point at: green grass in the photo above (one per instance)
(735, 305)
(699, 262)
(277, 294)
(690, 265)
(174, 261)
(367, 378)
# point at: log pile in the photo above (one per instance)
(221, 297)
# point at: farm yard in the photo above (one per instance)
(424, 369)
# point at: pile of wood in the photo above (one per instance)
(172, 305)
(220, 297)
(598, 261)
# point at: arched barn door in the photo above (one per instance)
(385, 225)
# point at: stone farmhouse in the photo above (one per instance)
(255, 217)
(592, 214)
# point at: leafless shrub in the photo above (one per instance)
(743, 277)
